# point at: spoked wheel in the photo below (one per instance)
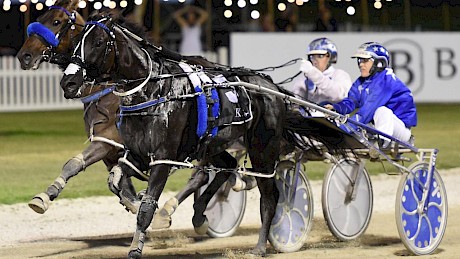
(294, 211)
(421, 223)
(347, 199)
(225, 210)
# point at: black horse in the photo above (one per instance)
(164, 117)
(51, 39)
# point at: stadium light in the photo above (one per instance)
(228, 13)
(351, 10)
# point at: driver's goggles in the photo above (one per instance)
(312, 57)
(364, 60)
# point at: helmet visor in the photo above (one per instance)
(362, 54)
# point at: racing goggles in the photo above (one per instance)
(364, 60)
(312, 57)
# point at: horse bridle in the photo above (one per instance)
(49, 54)
(93, 71)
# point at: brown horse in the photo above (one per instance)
(51, 39)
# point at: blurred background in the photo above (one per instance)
(226, 16)
(422, 37)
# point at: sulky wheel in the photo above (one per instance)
(226, 209)
(347, 199)
(421, 223)
(294, 211)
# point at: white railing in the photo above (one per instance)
(39, 90)
(31, 90)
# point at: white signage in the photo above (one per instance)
(426, 61)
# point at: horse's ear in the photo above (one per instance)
(69, 5)
(73, 5)
(114, 14)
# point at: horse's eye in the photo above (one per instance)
(99, 42)
(56, 22)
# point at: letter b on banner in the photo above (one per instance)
(445, 63)
(407, 62)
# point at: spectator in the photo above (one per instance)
(190, 19)
(287, 21)
(379, 96)
(325, 21)
(267, 23)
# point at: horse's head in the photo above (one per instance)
(51, 35)
(105, 51)
(93, 57)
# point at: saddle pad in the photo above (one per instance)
(235, 106)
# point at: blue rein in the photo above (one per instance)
(97, 95)
(103, 26)
(71, 16)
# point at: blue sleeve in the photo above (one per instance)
(350, 103)
(379, 94)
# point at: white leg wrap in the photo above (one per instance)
(61, 182)
(117, 174)
(138, 241)
(162, 219)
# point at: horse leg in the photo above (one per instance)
(264, 152)
(162, 218)
(121, 185)
(93, 153)
(222, 160)
(268, 199)
(159, 175)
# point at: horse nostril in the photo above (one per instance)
(27, 58)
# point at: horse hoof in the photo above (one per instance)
(258, 252)
(135, 254)
(40, 203)
(132, 206)
(241, 183)
(201, 230)
(161, 220)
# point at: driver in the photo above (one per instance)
(380, 96)
(321, 81)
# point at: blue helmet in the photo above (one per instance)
(375, 51)
(323, 46)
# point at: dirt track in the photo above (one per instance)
(99, 228)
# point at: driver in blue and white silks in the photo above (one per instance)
(380, 96)
(320, 81)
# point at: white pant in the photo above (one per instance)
(387, 122)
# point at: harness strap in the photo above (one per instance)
(97, 95)
(201, 99)
(144, 105)
(106, 140)
(126, 162)
(139, 87)
(71, 15)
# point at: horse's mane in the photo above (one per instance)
(127, 21)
